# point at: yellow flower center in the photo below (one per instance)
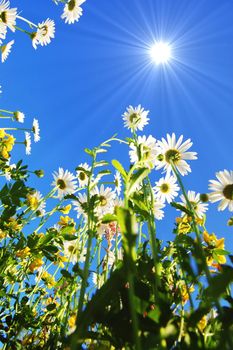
(134, 118)
(103, 201)
(228, 192)
(61, 184)
(82, 176)
(164, 188)
(71, 5)
(172, 155)
(3, 16)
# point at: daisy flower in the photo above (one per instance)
(72, 251)
(147, 148)
(117, 182)
(65, 182)
(222, 190)
(47, 31)
(28, 142)
(98, 280)
(80, 205)
(19, 116)
(3, 30)
(174, 151)
(194, 198)
(166, 189)
(158, 212)
(82, 175)
(106, 198)
(6, 49)
(7, 15)
(72, 11)
(135, 118)
(36, 130)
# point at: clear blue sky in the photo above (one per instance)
(80, 84)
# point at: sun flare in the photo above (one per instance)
(161, 52)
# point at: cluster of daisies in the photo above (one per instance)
(171, 154)
(106, 197)
(41, 33)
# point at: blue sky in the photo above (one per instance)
(79, 85)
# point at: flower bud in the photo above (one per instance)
(39, 173)
(204, 197)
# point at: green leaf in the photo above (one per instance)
(68, 237)
(118, 166)
(136, 179)
(101, 150)
(221, 252)
(101, 163)
(219, 283)
(108, 218)
(181, 207)
(128, 225)
(89, 151)
(66, 274)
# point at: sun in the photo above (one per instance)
(161, 52)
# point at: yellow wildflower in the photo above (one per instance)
(49, 279)
(2, 234)
(212, 240)
(4, 153)
(9, 143)
(2, 133)
(214, 243)
(202, 323)
(72, 320)
(185, 292)
(184, 225)
(60, 260)
(65, 210)
(65, 221)
(35, 264)
(14, 225)
(32, 201)
(23, 253)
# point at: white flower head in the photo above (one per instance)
(80, 205)
(117, 182)
(19, 116)
(158, 212)
(194, 198)
(106, 198)
(82, 174)
(97, 279)
(6, 49)
(222, 190)
(65, 182)
(3, 30)
(147, 149)
(166, 189)
(46, 32)
(72, 11)
(36, 130)
(8, 15)
(172, 151)
(73, 251)
(28, 142)
(8, 170)
(135, 118)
